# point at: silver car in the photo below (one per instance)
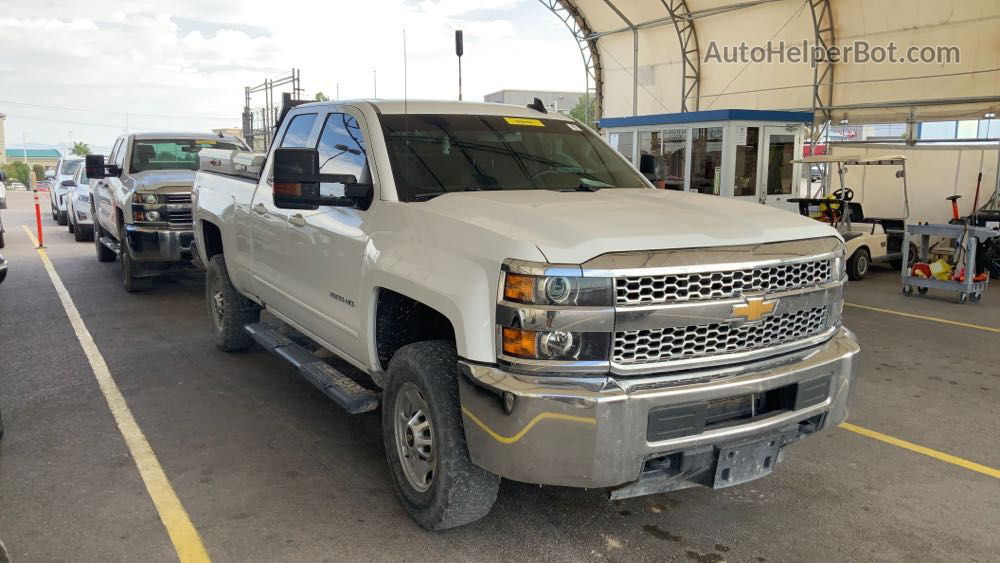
(65, 169)
(79, 217)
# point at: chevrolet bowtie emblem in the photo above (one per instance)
(754, 309)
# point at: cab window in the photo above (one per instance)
(342, 150)
(297, 133)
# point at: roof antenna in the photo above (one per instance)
(538, 106)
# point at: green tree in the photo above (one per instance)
(17, 170)
(321, 97)
(580, 111)
(81, 149)
(39, 171)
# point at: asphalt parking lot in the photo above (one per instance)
(267, 469)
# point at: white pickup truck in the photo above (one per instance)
(523, 303)
(140, 201)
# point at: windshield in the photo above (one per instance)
(435, 154)
(172, 154)
(69, 167)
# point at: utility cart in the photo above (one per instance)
(868, 239)
(968, 237)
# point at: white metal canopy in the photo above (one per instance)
(654, 56)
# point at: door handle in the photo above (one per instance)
(259, 209)
(298, 220)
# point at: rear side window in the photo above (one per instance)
(298, 130)
(342, 151)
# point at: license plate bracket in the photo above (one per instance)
(745, 461)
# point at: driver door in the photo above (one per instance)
(326, 246)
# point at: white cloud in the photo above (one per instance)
(167, 64)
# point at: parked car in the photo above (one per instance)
(15, 185)
(528, 304)
(81, 222)
(141, 201)
(3, 190)
(58, 189)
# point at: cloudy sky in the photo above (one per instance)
(90, 68)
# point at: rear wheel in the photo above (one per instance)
(857, 266)
(435, 480)
(62, 218)
(229, 309)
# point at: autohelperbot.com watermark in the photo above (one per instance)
(806, 52)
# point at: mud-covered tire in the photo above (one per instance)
(859, 264)
(104, 254)
(460, 491)
(83, 233)
(233, 313)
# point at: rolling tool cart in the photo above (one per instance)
(968, 238)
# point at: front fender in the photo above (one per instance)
(458, 288)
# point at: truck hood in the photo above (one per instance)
(573, 227)
(155, 179)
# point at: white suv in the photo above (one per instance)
(59, 190)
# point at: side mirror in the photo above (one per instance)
(647, 164)
(94, 164)
(297, 180)
(68, 183)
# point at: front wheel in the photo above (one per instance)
(435, 480)
(104, 254)
(62, 218)
(857, 266)
(229, 309)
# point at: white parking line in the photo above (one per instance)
(187, 542)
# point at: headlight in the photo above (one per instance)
(153, 216)
(148, 199)
(556, 345)
(557, 290)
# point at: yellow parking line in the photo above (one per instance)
(948, 458)
(187, 542)
(923, 317)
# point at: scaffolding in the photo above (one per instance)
(259, 121)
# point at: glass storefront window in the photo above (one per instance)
(780, 153)
(746, 162)
(673, 159)
(706, 159)
(623, 142)
(649, 155)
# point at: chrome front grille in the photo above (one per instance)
(652, 290)
(179, 216)
(178, 198)
(695, 341)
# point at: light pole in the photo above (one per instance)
(459, 50)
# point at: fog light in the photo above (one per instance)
(153, 216)
(556, 344)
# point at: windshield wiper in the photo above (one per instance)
(431, 195)
(581, 188)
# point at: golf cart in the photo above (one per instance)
(869, 239)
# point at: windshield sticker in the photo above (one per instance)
(524, 121)
(573, 126)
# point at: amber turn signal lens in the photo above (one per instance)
(520, 288)
(519, 343)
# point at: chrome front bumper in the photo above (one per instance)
(147, 244)
(595, 431)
